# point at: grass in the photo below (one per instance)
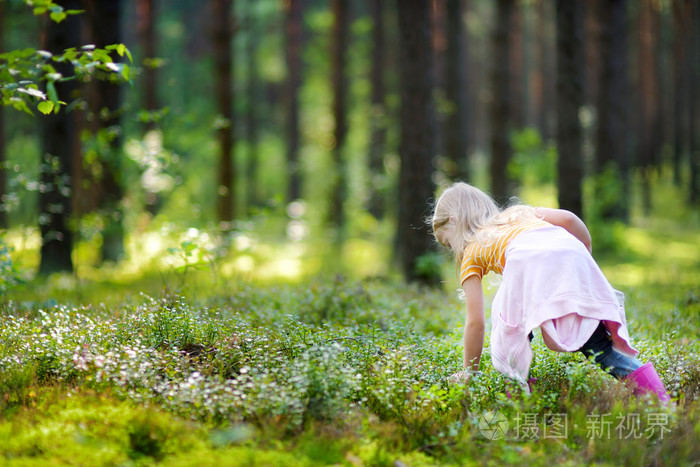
(187, 366)
(341, 371)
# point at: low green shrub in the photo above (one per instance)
(368, 359)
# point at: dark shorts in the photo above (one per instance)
(599, 346)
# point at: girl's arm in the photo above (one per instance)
(474, 323)
(568, 220)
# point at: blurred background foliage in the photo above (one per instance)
(146, 169)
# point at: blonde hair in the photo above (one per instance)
(475, 215)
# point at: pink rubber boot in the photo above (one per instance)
(646, 380)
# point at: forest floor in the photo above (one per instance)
(336, 370)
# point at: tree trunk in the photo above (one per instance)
(417, 139)
(378, 123)
(569, 101)
(146, 13)
(694, 102)
(4, 224)
(294, 64)
(681, 71)
(517, 65)
(147, 32)
(58, 146)
(105, 29)
(611, 150)
(649, 117)
(537, 80)
(340, 91)
(223, 71)
(591, 51)
(455, 92)
(549, 88)
(501, 109)
(253, 102)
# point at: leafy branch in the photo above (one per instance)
(22, 70)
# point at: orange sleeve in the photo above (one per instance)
(470, 267)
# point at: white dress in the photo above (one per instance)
(551, 281)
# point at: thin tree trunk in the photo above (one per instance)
(681, 72)
(253, 102)
(537, 81)
(147, 33)
(58, 146)
(517, 65)
(591, 51)
(611, 150)
(569, 101)
(649, 124)
(146, 20)
(223, 70)
(4, 223)
(455, 92)
(340, 91)
(294, 64)
(549, 71)
(694, 103)
(417, 148)
(378, 123)
(105, 29)
(501, 109)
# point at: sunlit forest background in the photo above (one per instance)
(282, 139)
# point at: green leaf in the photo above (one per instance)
(128, 54)
(51, 91)
(121, 50)
(45, 107)
(58, 16)
(126, 73)
(20, 105)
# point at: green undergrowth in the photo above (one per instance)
(334, 372)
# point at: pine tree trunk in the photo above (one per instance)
(4, 224)
(340, 91)
(694, 103)
(456, 144)
(147, 33)
(681, 71)
(501, 105)
(294, 64)
(253, 102)
(105, 103)
(58, 146)
(223, 70)
(146, 14)
(649, 118)
(569, 101)
(611, 150)
(549, 87)
(537, 80)
(378, 123)
(517, 65)
(417, 139)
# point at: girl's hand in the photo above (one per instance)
(460, 377)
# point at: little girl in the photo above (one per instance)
(550, 281)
